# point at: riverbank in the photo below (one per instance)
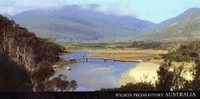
(144, 66)
(145, 70)
(142, 72)
(128, 54)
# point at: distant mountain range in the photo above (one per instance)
(185, 27)
(76, 23)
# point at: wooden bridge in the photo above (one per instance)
(86, 59)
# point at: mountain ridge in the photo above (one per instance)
(184, 27)
(75, 23)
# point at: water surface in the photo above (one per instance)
(94, 74)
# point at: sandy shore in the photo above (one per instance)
(142, 72)
(147, 72)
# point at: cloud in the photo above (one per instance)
(107, 6)
(15, 6)
(7, 10)
(108, 9)
(37, 3)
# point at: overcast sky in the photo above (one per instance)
(152, 10)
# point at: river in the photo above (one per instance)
(93, 74)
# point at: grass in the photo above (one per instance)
(128, 54)
(118, 51)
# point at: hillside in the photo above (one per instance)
(32, 55)
(185, 27)
(76, 23)
(12, 77)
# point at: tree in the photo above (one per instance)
(13, 77)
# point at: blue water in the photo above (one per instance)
(94, 74)
(75, 55)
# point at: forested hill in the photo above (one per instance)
(35, 55)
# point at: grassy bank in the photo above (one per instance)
(128, 54)
(122, 51)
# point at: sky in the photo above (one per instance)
(152, 10)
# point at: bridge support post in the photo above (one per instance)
(86, 59)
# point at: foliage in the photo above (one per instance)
(13, 77)
(35, 55)
(59, 84)
(133, 87)
(146, 45)
(169, 80)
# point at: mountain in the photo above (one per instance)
(81, 23)
(185, 27)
